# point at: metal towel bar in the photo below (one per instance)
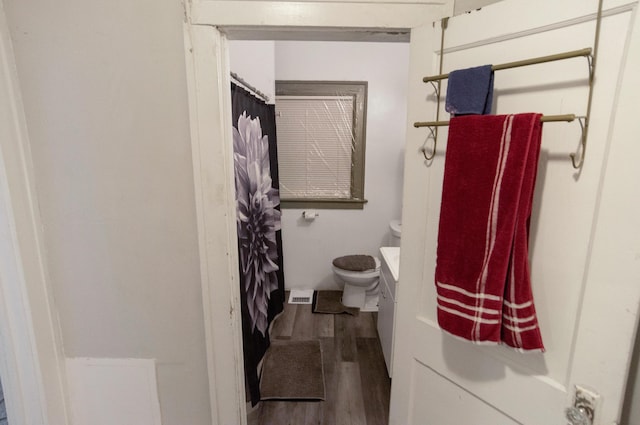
(583, 120)
(525, 62)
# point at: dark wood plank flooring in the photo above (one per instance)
(356, 382)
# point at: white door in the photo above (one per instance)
(585, 232)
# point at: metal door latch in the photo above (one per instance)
(584, 407)
(579, 416)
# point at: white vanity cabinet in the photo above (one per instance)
(387, 302)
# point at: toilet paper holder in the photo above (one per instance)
(309, 215)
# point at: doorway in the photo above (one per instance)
(208, 78)
(310, 246)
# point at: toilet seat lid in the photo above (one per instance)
(355, 263)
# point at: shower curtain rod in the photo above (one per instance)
(248, 86)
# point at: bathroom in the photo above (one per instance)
(112, 156)
(310, 245)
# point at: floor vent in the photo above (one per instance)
(301, 296)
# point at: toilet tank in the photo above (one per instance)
(395, 227)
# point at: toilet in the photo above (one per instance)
(360, 281)
(395, 232)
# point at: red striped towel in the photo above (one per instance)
(482, 270)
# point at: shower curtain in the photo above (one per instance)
(258, 225)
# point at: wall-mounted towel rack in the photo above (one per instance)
(591, 56)
(434, 130)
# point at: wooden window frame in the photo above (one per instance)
(358, 90)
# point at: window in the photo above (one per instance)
(320, 129)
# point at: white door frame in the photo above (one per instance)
(211, 142)
(31, 353)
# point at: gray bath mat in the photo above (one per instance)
(292, 370)
(330, 302)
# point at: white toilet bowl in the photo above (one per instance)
(360, 288)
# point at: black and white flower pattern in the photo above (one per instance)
(258, 220)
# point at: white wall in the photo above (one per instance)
(254, 62)
(309, 248)
(104, 92)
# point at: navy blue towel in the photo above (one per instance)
(470, 91)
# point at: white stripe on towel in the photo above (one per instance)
(467, 293)
(466, 306)
(523, 305)
(492, 218)
(466, 316)
(517, 320)
(518, 330)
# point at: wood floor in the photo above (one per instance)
(356, 380)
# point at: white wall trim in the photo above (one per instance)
(32, 365)
(210, 118)
(338, 15)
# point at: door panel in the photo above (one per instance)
(531, 388)
(450, 403)
(564, 208)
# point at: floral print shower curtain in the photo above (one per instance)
(258, 226)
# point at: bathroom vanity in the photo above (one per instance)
(389, 276)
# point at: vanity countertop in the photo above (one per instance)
(391, 256)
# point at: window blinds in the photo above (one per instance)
(315, 145)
